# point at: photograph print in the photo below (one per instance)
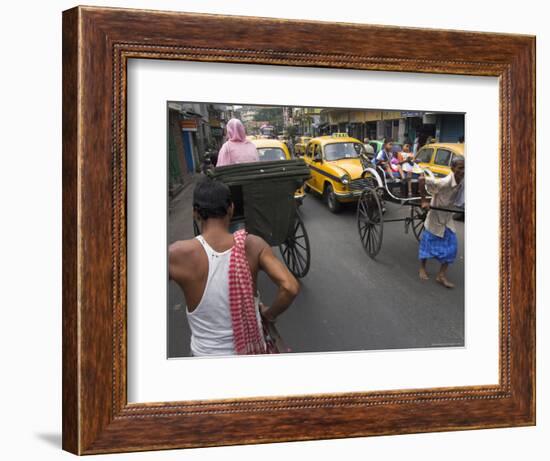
(313, 229)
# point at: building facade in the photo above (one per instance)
(193, 130)
(401, 126)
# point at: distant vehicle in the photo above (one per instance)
(300, 146)
(286, 142)
(336, 163)
(437, 157)
(376, 145)
(267, 130)
(271, 150)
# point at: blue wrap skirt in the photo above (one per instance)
(441, 248)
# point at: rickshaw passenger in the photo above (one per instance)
(395, 165)
(411, 169)
(237, 149)
(217, 272)
(384, 160)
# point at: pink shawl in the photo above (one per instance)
(236, 131)
(237, 149)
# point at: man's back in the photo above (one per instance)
(189, 262)
(201, 269)
(210, 319)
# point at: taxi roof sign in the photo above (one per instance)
(340, 135)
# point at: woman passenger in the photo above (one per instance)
(237, 149)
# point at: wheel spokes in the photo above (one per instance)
(417, 217)
(295, 250)
(301, 246)
(362, 232)
(370, 221)
(300, 261)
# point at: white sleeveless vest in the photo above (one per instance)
(210, 322)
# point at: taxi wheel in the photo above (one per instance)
(333, 204)
(307, 189)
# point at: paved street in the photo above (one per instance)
(348, 301)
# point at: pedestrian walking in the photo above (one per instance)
(217, 272)
(439, 235)
(237, 149)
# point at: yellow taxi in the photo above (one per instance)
(300, 146)
(271, 150)
(336, 168)
(437, 157)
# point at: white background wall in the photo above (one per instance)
(30, 232)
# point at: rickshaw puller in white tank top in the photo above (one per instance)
(210, 321)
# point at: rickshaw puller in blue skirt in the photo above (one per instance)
(439, 235)
(443, 249)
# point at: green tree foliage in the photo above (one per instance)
(273, 115)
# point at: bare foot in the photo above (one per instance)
(443, 280)
(423, 274)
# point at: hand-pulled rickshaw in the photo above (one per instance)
(263, 194)
(371, 209)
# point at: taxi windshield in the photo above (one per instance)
(340, 150)
(268, 154)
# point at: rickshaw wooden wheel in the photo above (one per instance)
(296, 251)
(370, 221)
(418, 216)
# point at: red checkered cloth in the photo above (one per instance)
(247, 336)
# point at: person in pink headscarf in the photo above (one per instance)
(237, 149)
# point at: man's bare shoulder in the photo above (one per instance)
(184, 249)
(255, 244)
